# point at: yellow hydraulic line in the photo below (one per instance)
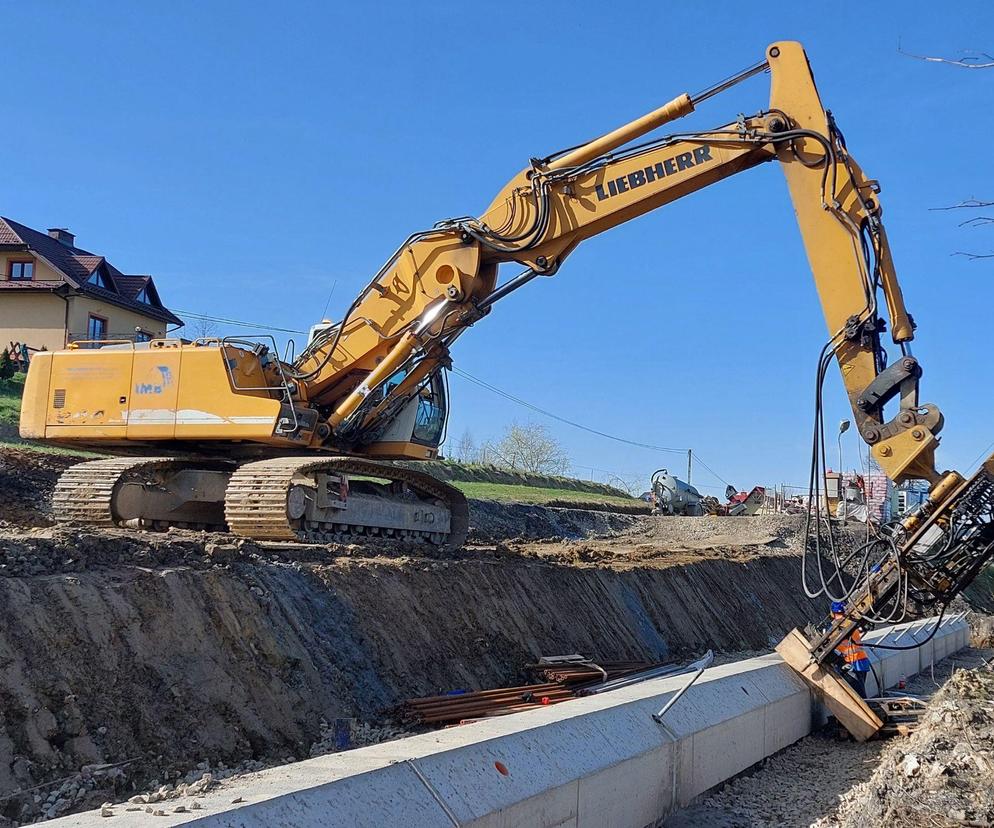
(676, 108)
(901, 327)
(398, 355)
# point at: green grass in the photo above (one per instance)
(452, 471)
(540, 496)
(10, 399)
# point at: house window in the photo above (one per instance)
(143, 296)
(142, 336)
(96, 328)
(22, 271)
(98, 279)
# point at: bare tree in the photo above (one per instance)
(973, 221)
(466, 451)
(969, 60)
(199, 328)
(531, 448)
(204, 329)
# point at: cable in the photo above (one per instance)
(496, 390)
(221, 320)
(931, 635)
(697, 457)
(533, 407)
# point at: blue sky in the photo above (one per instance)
(251, 155)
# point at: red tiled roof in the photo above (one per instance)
(131, 285)
(8, 284)
(77, 265)
(7, 235)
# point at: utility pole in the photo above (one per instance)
(690, 463)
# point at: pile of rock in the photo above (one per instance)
(350, 733)
(943, 774)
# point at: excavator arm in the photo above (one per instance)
(545, 211)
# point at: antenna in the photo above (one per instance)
(331, 293)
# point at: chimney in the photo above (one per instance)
(63, 235)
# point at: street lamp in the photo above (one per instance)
(843, 428)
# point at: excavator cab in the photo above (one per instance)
(418, 428)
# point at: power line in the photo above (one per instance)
(979, 457)
(224, 321)
(482, 384)
(580, 426)
(697, 457)
(533, 407)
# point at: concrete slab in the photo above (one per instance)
(595, 761)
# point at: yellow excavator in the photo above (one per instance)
(288, 449)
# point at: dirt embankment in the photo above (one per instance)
(491, 521)
(170, 649)
(165, 651)
(485, 473)
(26, 482)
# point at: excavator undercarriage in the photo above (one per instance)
(309, 499)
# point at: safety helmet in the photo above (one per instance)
(838, 606)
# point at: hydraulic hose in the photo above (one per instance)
(938, 623)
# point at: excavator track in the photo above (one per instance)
(84, 494)
(258, 497)
(88, 494)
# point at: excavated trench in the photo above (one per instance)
(132, 660)
(163, 651)
(155, 653)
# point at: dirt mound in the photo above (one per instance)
(943, 774)
(712, 531)
(492, 521)
(27, 479)
(484, 473)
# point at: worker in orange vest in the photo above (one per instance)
(857, 664)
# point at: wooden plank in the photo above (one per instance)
(844, 703)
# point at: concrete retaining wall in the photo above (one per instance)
(595, 761)
(890, 666)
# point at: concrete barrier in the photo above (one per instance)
(890, 666)
(595, 761)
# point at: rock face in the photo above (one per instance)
(183, 654)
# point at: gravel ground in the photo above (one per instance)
(804, 785)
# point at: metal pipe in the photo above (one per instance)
(701, 666)
(635, 678)
(728, 83)
(510, 286)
